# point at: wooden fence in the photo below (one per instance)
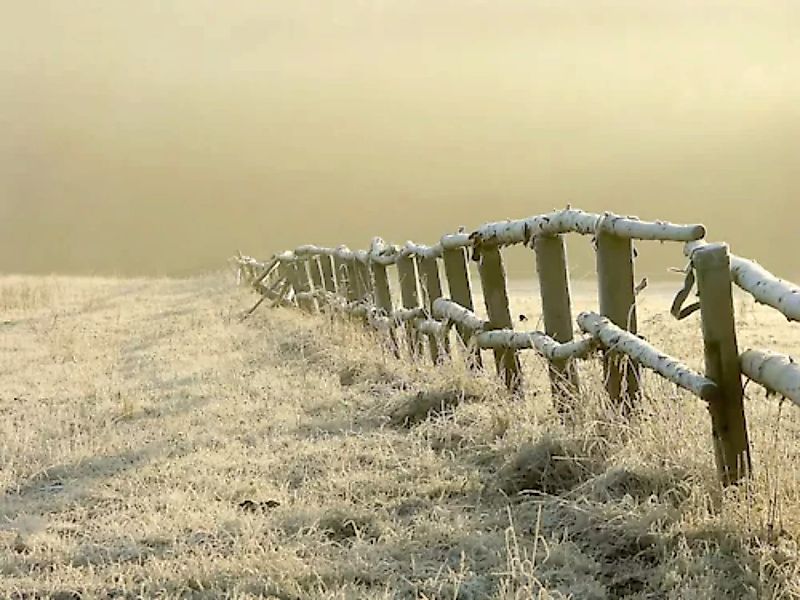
(357, 283)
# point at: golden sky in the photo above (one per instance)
(153, 137)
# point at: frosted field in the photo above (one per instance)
(153, 445)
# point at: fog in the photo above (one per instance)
(153, 137)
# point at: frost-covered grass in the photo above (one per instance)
(154, 445)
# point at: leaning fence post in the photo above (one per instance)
(495, 295)
(409, 285)
(729, 428)
(457, 272)
(551, 266)
(383, 299)
(432, 288)
(618, 303)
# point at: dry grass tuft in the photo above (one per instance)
(342, 525)
(550, 466)
(426, 405)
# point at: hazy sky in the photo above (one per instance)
(146, 137)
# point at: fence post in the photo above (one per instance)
(366, 281)
(304, 286)
(286, 272)
(618, 303)
(551, 266)
(316, 272)
(495, 295)
(729, 428)
(383, 299)
(356, 287)
(409, 285)
(326, 266)
(432, 288)
(343, 283)
(457, 272)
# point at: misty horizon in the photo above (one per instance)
(160, 138)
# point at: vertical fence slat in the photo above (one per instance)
(458, 282)
(365, 280)
(356, 286)
(304, 286)
(551, 267)
(316, 278)
(383, 300)
(409, 285)
(286, 273)
(432, 288)
(495, 295)
(294, 279)
(315, 272)
(618, 303)
(731, 446)
(346, 290)
(328, 279)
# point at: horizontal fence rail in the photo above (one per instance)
(765, 287)
(778, 373)
(355, 283)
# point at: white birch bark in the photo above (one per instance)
(447, 309)
(536, 340)
(455, 240)
(765, 287)
(577, 221)
(402, 315)
(431, 327)
(343, 252)
(614, 338)
(372, 315)
(383, 253)
(776, 372)
(414, 249)
(307, 250)
(286, 257)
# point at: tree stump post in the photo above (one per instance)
(343, 284)
(304, 286)
(618, 303)
(365, 278)
(328, 279)
(495, 295)
(356, 287)
(458, 282)
(409, 286)
(315, 272)
(383, 300)
(729, 428)
(432, 288)
(286, 272)
(551, 267)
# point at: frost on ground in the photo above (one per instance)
(154, 445)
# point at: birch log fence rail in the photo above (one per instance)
(356, 283)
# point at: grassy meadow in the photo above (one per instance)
(155, 445)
